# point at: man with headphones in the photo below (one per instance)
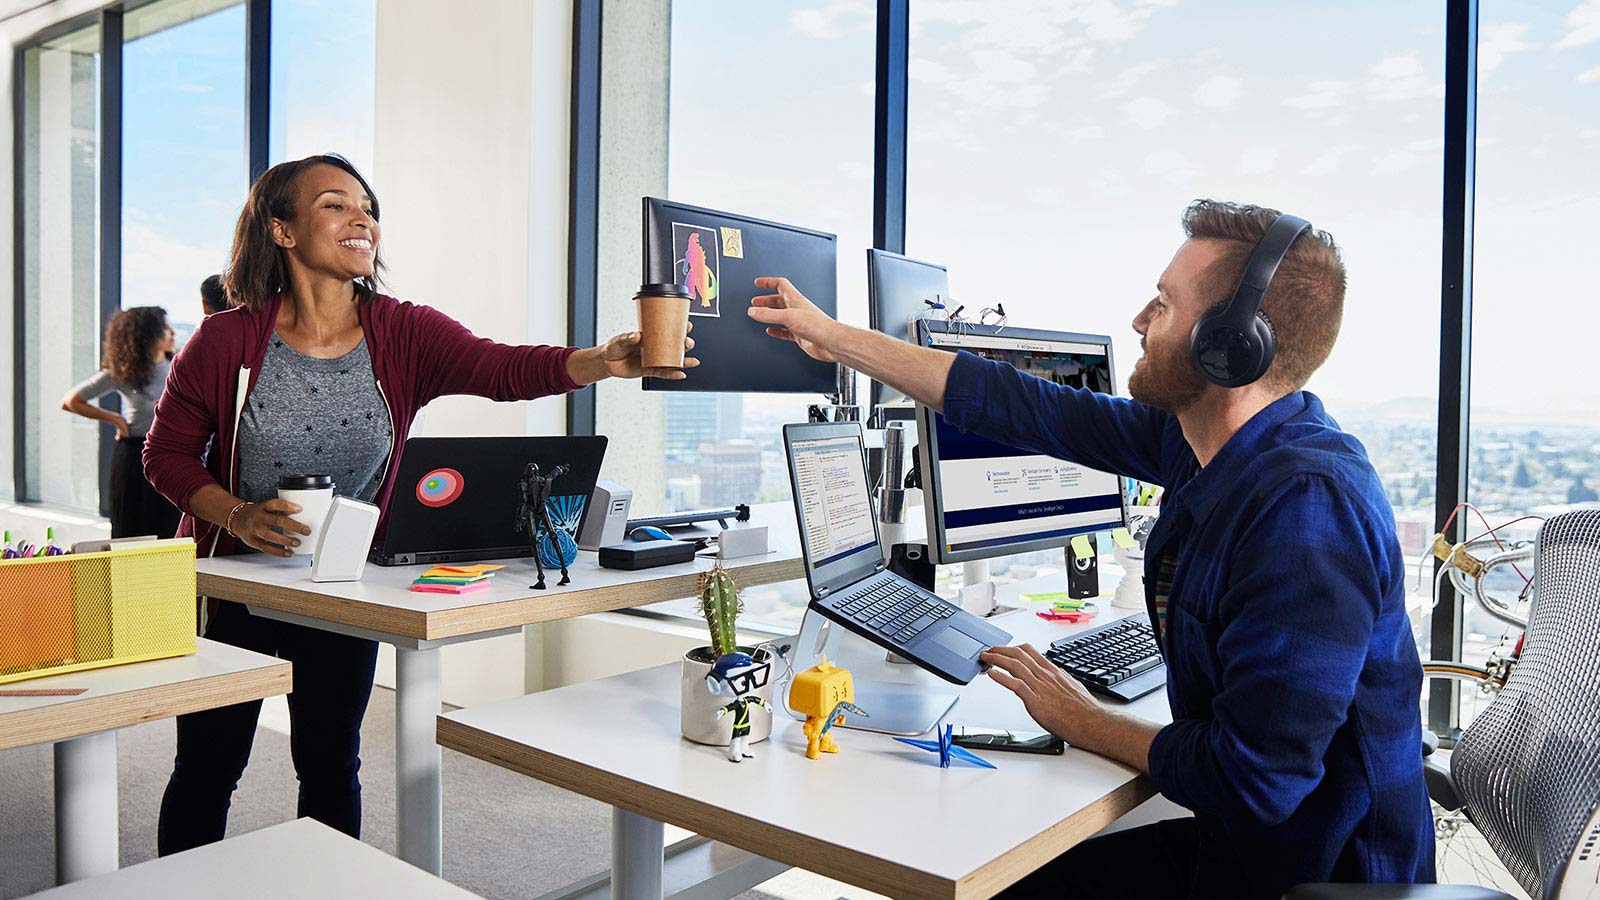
(1274, 574)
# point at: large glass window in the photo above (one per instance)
(60, 259)
(1534, 440)
(1052, 152)
(324, 79)
(183, 160)
(771, 115)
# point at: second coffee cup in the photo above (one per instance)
(314, 494)
(663, 324)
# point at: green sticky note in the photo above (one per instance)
(1122, 538)
(1081, 548)
(1070, 603)
(1048, 595)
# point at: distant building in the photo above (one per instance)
(698, 418)
(730, 473)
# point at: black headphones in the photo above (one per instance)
(1233, 343)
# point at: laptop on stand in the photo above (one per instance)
(851, 586)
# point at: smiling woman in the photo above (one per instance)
(312, 372)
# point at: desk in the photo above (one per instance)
(301, 859)
(880, 814)
(83, 727)
(382, 607)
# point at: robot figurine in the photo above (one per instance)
(823, 694)
(534, 515)
(738, 676)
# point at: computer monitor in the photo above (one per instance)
(719, 255)
(896, 287)
(987, 499)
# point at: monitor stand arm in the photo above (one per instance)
(893, 707)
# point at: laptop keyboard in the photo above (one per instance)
(894, 609)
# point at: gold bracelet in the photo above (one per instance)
(228, 526)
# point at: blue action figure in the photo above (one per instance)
(739, 676)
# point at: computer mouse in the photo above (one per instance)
(649, 533)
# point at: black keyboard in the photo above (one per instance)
(1119, 659)
(894, 609)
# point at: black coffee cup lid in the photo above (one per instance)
(666, 289)
(304, 482)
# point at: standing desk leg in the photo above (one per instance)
(636, 856)
(86, 806)
(418, 695)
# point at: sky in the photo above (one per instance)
(1054, 144)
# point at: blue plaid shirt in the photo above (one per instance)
(1292, 672)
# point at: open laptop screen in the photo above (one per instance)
(838, 532)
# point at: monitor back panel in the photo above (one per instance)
(720, 255)
(461, 496)
(896, 288)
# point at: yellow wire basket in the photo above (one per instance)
(87, 610)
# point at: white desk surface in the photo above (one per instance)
(383, 602)
(880, 814)
(302, 859)
(215, 675)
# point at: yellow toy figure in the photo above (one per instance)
(823, 694)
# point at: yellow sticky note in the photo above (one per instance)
(1081, 548)
(1122, 538)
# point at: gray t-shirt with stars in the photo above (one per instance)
(309, 416)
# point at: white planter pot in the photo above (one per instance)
(697, 714)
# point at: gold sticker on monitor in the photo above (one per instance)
(732, 243)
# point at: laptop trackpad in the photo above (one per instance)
(962, 645)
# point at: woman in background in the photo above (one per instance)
(139, 345)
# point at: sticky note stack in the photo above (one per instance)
(455, 579)
(1063, 608)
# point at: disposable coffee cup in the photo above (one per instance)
(314, 493)
(663, 324)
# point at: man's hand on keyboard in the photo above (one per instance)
(1053, 698)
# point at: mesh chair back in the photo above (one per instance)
(1529, 765)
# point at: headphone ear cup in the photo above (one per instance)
(1226, 356)
(1267, 338)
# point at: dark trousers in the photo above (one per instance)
(136, 508)
(332, 683)
(1151, 862)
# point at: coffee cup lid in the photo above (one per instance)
(666, 289)
(304, 482)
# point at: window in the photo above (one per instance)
(1050, 155)
(324, 80)
(810, 74)
(183, 162)
(1534, 443)
(60, 263)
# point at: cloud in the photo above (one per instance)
(1086, 133)
(1321, 95)
(1126, 80)
(1497, 41)
(1001, 67)
(1218, 92)
(1582, 24)
(1258, 160)
(1399, 78)
(833, 20)
(191, 88)
(162, 270)
(1147, 112)
(1170, 166)
(1330, 160)
(1589, 76)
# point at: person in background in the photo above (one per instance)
(313, 371)
(139, 343)
(213, 296)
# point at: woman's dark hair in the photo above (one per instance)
(130, 337)
(257, 270)
(213, 295)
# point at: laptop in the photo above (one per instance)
(457, 499)
(850, 582)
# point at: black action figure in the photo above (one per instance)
(534, 516)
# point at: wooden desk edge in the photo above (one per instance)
(422, 625)
(57, 722)
(802, 850)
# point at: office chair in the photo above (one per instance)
(1527, 770)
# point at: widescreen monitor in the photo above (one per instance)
(719, 255)
(986, 499)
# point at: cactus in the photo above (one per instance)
(719, 602)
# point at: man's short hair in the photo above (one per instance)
(1306, 298)
(212, 294)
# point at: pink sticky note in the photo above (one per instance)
(450, 588)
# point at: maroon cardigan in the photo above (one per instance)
(418, 353)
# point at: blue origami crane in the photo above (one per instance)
(947, 750)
